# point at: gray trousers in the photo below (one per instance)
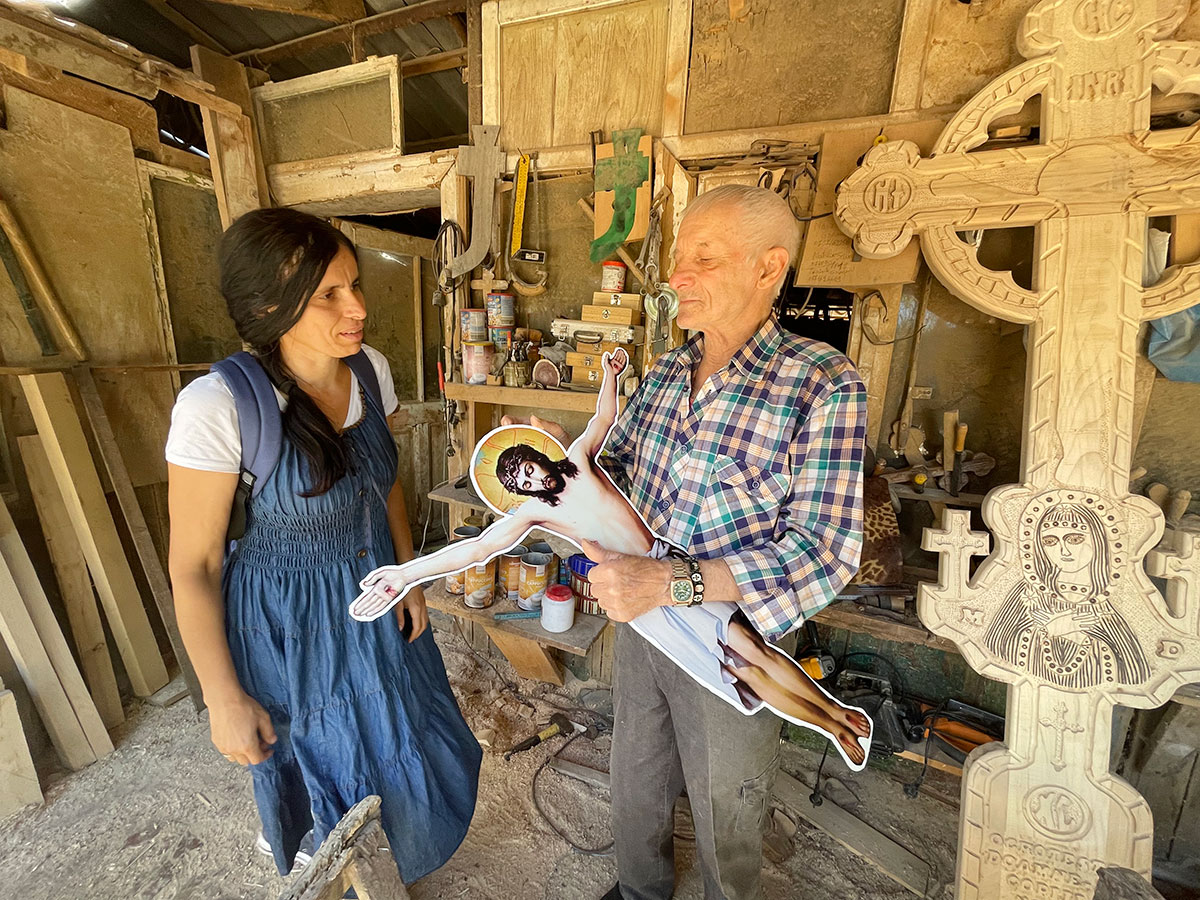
(670, 733)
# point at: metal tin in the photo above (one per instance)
(508, 577)
(533, 580)
(580, 566)
(500, 310)
(477, 361)
(454, 581)
(474, 324)
(479, 582)
(501, 337)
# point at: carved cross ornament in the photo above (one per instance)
(1062, 610)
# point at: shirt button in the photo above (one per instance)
(664, 504)
(754, 484)
(362, 554)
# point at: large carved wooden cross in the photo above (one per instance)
(1062, 610)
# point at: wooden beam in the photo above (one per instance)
(857, 836)
(135, 522)
(186, 25)
(910, 55)
(529, 658)
(239, 179)
(74, 585)
(47, 45)
(342, 34)
(18, 780)
(66, 447)
(25, 646)
(679, 56)
(326, 10)
(362, 183)
(475, 76)
(434, 62)
(50, 635)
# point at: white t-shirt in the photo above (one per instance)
(204, 424)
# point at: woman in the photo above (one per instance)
(324, 711)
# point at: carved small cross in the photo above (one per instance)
(1059, 725)
(1062, 610)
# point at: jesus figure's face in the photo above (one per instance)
(533, 478)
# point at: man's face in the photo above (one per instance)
(532, 478)
(715, 274)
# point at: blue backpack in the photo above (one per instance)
(261, 423)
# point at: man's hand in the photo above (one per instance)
(627, 586)
(553, 429)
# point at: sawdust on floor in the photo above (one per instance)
(166, 818)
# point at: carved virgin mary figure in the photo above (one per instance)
(1059, 623)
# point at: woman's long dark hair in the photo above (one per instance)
(271, 261)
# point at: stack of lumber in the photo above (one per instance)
(77, 702)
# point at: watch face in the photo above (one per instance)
(681, 592)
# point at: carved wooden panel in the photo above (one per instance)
(1062, 608)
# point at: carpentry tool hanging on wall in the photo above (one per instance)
(516, 228)
(482, 162)
(661, 302)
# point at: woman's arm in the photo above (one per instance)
(199, 504)
(402, 542)
(591, 442)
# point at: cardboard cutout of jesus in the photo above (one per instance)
(524, 474)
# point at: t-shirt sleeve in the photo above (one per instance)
(387, 387)
(204, 428)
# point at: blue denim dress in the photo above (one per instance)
(357, 710)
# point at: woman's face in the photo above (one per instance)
(332, 321)
(1068, 547)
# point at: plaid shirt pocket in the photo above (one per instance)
(743, 506)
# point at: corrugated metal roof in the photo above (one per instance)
(435, 105)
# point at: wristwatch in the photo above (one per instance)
(687, 584)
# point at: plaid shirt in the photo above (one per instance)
(764, 471)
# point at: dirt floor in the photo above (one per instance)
(166, 818)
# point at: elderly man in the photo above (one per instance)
(745, 447)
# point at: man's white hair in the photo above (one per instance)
(764, 219)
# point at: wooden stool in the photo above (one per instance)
(355, 855)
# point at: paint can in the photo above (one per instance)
(474, 324)
(479, 582)
(454, 581)
(501, 337)
(558, 609)
(508, 578)
(533, 580)
(475, 521)
(580, 566)
(552, 571)
(500, 311)
(477, 361)
(612, 277)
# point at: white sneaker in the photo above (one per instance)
(303, 855)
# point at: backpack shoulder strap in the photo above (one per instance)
(259, 419)
(360, 365)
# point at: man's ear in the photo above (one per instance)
(775, 263)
